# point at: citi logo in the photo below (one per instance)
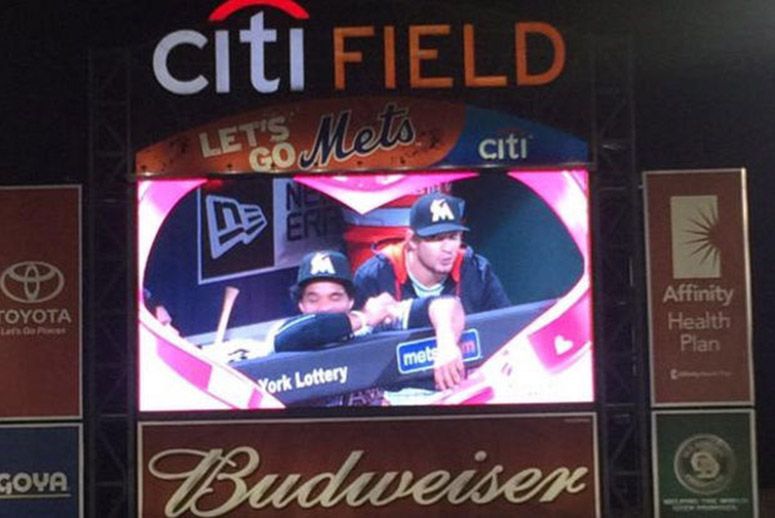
(32, 282)
(230, 223)
(258, 37)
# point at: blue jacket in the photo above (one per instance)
(312, 331)
(472, 280)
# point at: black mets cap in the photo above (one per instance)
(437, 213)
(325, 265)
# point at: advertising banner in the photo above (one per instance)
(296, 85)
(363, 133)
(699, 287)
(40, 302)
(539, 465)
(40, 471)
(704, 464)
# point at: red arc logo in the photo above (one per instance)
(230, 7)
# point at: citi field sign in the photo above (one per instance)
(413, 56)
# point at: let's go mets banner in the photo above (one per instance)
(699, 287)
(360, 133)
(537, 465)
(40, 302)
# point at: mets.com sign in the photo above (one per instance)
(419, 355)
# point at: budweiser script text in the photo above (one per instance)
(198, 495)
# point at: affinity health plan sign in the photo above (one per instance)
(699, 287)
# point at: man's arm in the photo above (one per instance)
(310, 332)
(448, 320)
(314, 330)
(446, 316)
(373, 278)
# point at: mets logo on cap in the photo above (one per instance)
(437, 213)
(324, 265)
(321, 264)
(440, 210)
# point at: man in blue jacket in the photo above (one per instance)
(432, 263)
(324, 292)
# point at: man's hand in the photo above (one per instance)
(163, 316)
(381, 309)
(448, 368)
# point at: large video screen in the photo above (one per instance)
(421, 288)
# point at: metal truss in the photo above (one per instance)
(619, 288)
(109, 408)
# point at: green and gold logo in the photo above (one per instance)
(705, 464)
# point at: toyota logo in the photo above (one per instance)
(30, 282)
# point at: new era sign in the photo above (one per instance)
(230, 223)
(235, 230)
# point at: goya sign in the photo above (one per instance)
(40, 471)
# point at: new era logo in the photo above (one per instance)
(230, 223)
(440, 211)
(321, 264)
(694, 222)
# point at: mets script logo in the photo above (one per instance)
(705, 464)
(230, 223)
(320, 264)
(31, 282)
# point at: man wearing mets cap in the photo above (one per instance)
(432, 264)
(324, 293)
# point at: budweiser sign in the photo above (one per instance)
(378, 467)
